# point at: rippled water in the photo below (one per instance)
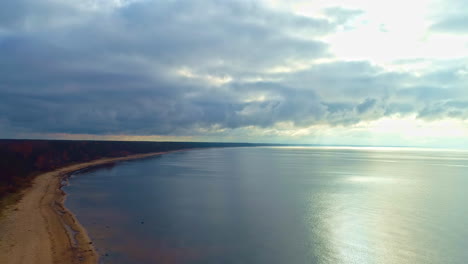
(279, 205)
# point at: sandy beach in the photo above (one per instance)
(39, 229)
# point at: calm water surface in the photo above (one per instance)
(278, 205)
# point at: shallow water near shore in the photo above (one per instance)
(278, 205)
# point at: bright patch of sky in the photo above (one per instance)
(384, 32)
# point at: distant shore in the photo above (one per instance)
(39, 229)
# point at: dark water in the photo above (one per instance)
(279, 205)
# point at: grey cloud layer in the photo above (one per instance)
(70, 68)
(452, 17)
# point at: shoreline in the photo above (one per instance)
(40, 229)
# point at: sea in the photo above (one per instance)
(271, 205)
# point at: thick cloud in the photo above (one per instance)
(456, 24)
(178, 67)
(451, 17)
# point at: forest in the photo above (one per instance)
(21, 160)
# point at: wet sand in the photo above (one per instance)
(39, 229)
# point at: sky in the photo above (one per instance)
(350, 72)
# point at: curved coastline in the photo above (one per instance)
(40, 229)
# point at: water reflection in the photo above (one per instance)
(279, 205)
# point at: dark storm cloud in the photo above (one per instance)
(114, 73)
(157, 67)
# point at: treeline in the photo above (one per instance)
(21, 160)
